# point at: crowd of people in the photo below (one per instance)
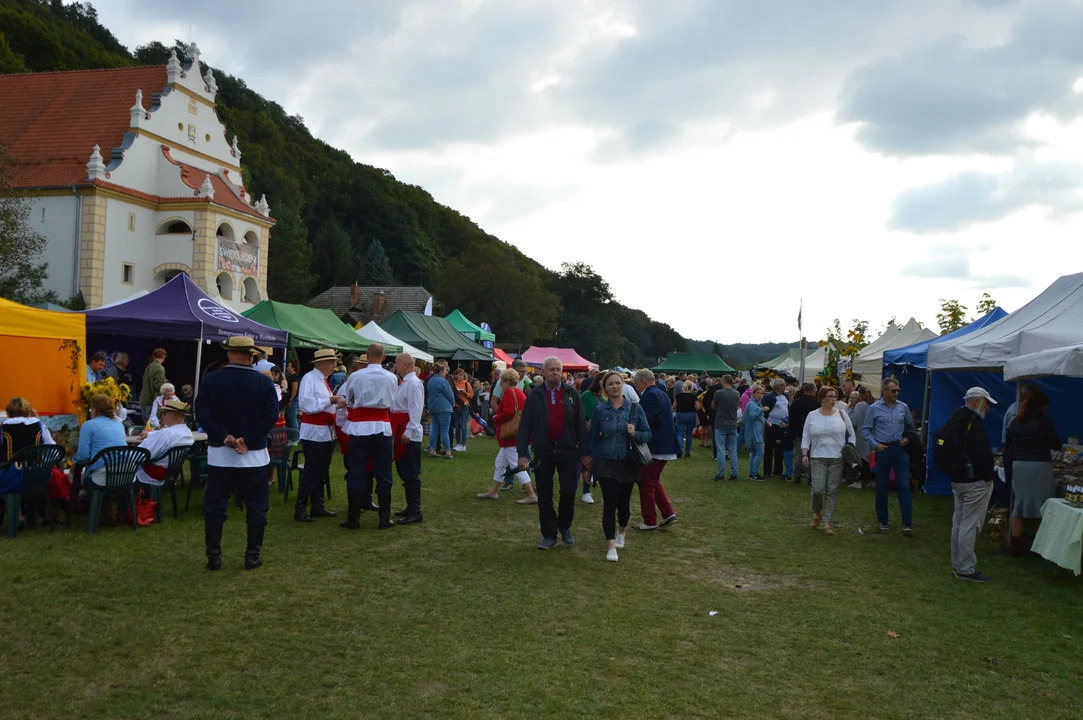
(557, 433)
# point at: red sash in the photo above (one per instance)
(321, 418)
(398, 428)
(155, 472)
(364, 414)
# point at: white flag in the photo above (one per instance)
(428, 306)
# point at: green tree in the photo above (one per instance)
(332, 257)
(986, 305)
(951, 317)
(375, 267)
(21, 273)
(288, 276)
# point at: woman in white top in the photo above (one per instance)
(827, 430)
(168, 393)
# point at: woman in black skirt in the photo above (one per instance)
(614, 425)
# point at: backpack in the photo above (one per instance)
(949, 450)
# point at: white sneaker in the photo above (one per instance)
(611, 555)
(459, 448)
(620, 540)
(645, 526)
(487, 496)
(856, 486)
(588, 498)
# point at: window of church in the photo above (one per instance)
(251, 291)
(127, 273)
(225, 285)
(131, 222)
(174, 227)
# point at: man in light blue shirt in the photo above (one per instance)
(886, 421)
(95, 369)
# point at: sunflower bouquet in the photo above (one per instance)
(117, 392)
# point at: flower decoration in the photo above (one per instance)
(109, 387)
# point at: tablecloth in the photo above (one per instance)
(1060, 537)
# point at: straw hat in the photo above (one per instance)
(176, 405)
(362, 359)
(240, 343)
(325, 354)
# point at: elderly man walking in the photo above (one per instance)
(554, 425)
(971, 479)
(886, 421)
(406, 408)
(663, 445)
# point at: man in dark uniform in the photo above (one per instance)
(237, 407)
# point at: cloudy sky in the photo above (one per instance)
(715, 160)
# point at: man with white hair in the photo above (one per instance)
(407, 405)
(553, 424)
(963, 445)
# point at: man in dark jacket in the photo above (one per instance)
(237, 407)
(971, 484)
(656, 406)
(800, 408)
(553, 424)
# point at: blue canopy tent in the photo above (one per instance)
(910, 364)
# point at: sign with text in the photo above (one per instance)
(238, 257)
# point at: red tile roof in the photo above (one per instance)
(52, 121)
(223, 194)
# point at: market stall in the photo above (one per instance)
(311, 328)
(694, 362)
(436, 336)
(375, 333)
(572, 361)
(471, 330)
(44, 358)
(868, 365)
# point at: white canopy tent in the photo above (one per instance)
(374, 332)
(1060, 362)
(815, 360)
(1052, 320)
(869, 363)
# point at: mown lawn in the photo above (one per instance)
(463, 617)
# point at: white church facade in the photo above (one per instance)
(133, 178)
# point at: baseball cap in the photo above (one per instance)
(979, 392)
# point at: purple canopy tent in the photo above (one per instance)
(179, 310)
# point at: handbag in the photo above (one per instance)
(640, 451)
(511, 428)
(850, 455)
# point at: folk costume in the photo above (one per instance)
(239, 402)
(317, 431)
(406, 407)
(369, 393)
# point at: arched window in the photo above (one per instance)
(165, 276)
(225, 285)
(251, 290)
(251, 237)
(225, 231)
(174, 227)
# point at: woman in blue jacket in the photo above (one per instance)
(441, 400)
(613, 426)
(754, 422)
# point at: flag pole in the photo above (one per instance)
(804, 344)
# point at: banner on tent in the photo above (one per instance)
(238, 257)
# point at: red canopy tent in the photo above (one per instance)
(572, 361)
(499, 354)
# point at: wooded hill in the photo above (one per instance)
(338, 218)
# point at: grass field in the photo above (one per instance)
(462, 617)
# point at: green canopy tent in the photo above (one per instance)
(310, 327)
(51, 306)
(694, 362)
(434, 335)
(475, 332)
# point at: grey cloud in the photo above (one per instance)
(960, 96)
(992, 283)
(971, 198)
(949, 267)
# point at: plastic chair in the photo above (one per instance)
(175, 458)
(121, 462)
(279, 442)
(36, 464)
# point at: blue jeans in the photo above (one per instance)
(787, 460)
(462, 428)
(755, 457)
(291, 415)
(887, 459)
(441, 423)
(686, 422)
(725, 443)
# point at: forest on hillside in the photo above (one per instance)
(341, 221)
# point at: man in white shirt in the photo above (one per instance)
(172, 433)
(260, 362)
(406, 407)
(367, 396)
(317, 429)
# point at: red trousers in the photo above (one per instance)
(652, 493)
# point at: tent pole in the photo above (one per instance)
(199, 362)
(925, 400)
(804, 351)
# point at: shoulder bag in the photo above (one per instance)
(640, 451)
(511, 428)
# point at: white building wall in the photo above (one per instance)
(57, 219)
(128, 246)
(174, 248)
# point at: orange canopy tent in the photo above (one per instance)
(44, 358)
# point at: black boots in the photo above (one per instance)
(300, 514)
(367, 504)
(412, 512)
(213, 538)
(353, 515)
(385, 512)
(255, 546)
(319, 511)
